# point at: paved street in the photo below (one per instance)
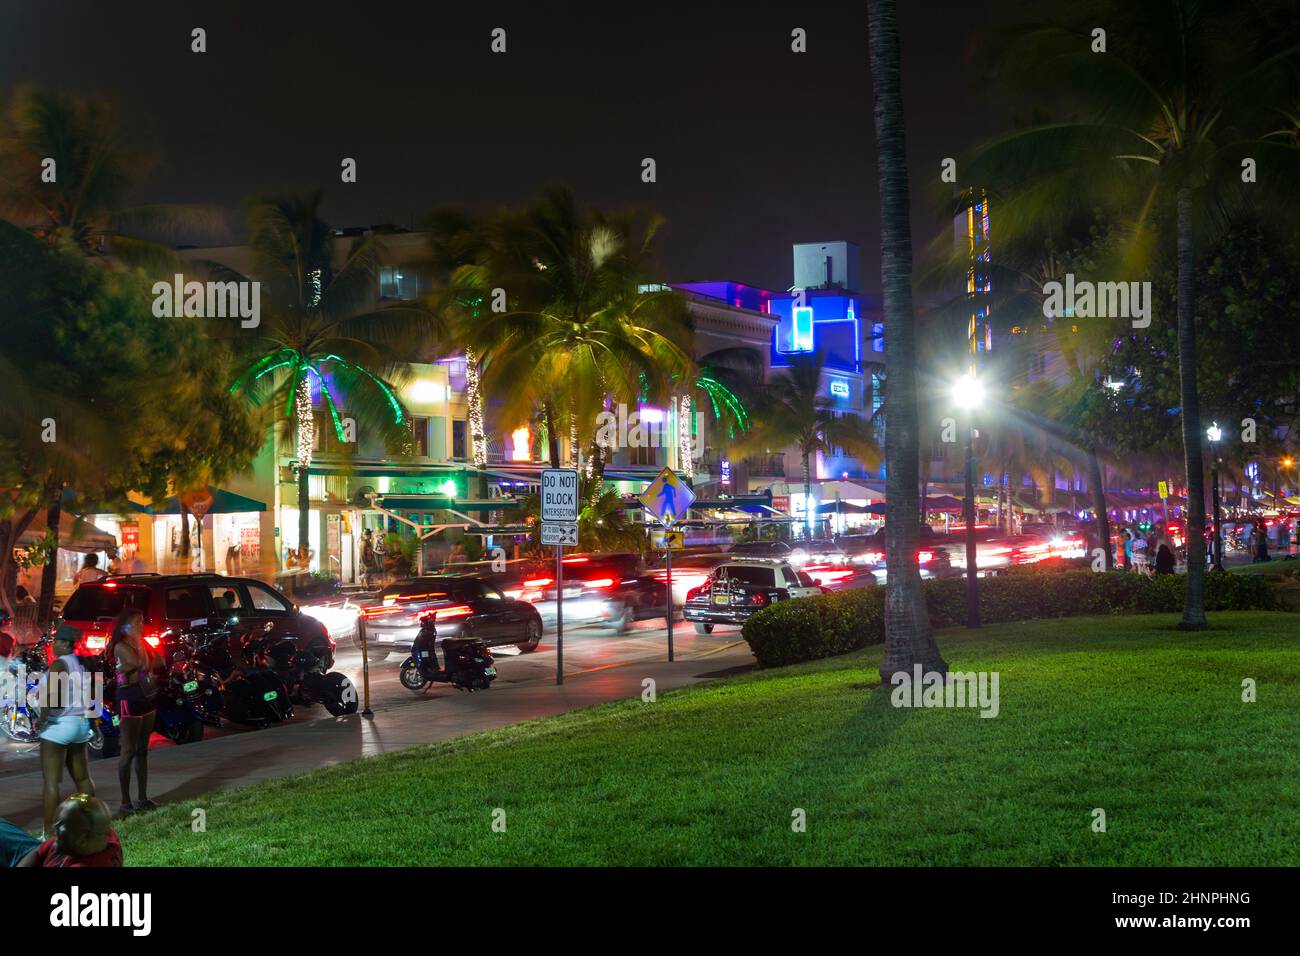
(599, 667)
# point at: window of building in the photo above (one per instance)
(459, 439)
(420, 435)
(402, 283)
(647, 455)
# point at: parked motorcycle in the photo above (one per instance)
(189, 695)
(20, 706)
(305, 674)
(252, 693)
(469, 663)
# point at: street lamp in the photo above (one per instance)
(968, 394)
(1214, 433)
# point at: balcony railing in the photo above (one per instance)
(766, 466)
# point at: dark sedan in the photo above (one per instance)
(460, 606)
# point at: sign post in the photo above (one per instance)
(668, 498)
(559, 527)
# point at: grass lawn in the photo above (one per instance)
(1125, 714)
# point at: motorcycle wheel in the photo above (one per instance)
(533, 633)
(16, 725)
(410, 677)
(191, 732)
(103, 746)
(339, 694)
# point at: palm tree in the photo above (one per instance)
(1168, 113)
(908, 638)
(582, 327)
(85, 204)
(792, 411)
(322, 336)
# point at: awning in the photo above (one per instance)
(843, 507)
(223, 503)
(74, 534)
(425, 503)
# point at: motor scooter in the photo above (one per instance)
(469, 662)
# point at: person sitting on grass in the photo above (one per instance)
(83, 837)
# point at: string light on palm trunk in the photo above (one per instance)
(685, 444)
(306, 424)
(474, 397)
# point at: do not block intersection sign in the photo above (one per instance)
(559, 494)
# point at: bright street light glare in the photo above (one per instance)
(1214, 432)
(968, 392)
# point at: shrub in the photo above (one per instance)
(810, 628)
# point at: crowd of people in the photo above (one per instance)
(1148, 552)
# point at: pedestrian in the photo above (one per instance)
(1164, 560)
(136, 690)
(61, 723)
(1128, 550)
(234, 564)
(1261, 542)
(83, 837)
(114, 561)
(90, 570)
(1139, 546)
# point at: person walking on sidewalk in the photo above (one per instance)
(136, 690)
(61, 724)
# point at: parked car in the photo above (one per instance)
(612, 590)
(461, 605)
(177, 603)
(734, 590)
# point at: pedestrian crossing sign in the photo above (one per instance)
(668, 498)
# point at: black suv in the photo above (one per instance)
(172, 603)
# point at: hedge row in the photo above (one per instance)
(792, 631)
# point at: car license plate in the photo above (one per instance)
(721, 598)
(191, 686)
(271, 695)
(490, 671)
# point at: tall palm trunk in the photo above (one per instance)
(1099, 504)
(809, 516)
(1194, 604)
(49, 573)
(908, 638)
(306, 438)
(925, 484)
(552, 439)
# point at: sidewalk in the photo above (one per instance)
(239, 760)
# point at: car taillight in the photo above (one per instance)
(924, 557)
(379, 610)
(597, 583)
(538, 583)
(829, 575)
(448, 613)
(153, 639)
(758, 599)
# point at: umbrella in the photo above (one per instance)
(74, 534)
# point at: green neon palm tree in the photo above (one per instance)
(321, 337)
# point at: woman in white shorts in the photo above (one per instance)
(62, 725)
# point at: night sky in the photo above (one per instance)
(757, 147)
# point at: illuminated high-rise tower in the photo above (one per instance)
(972, 228)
